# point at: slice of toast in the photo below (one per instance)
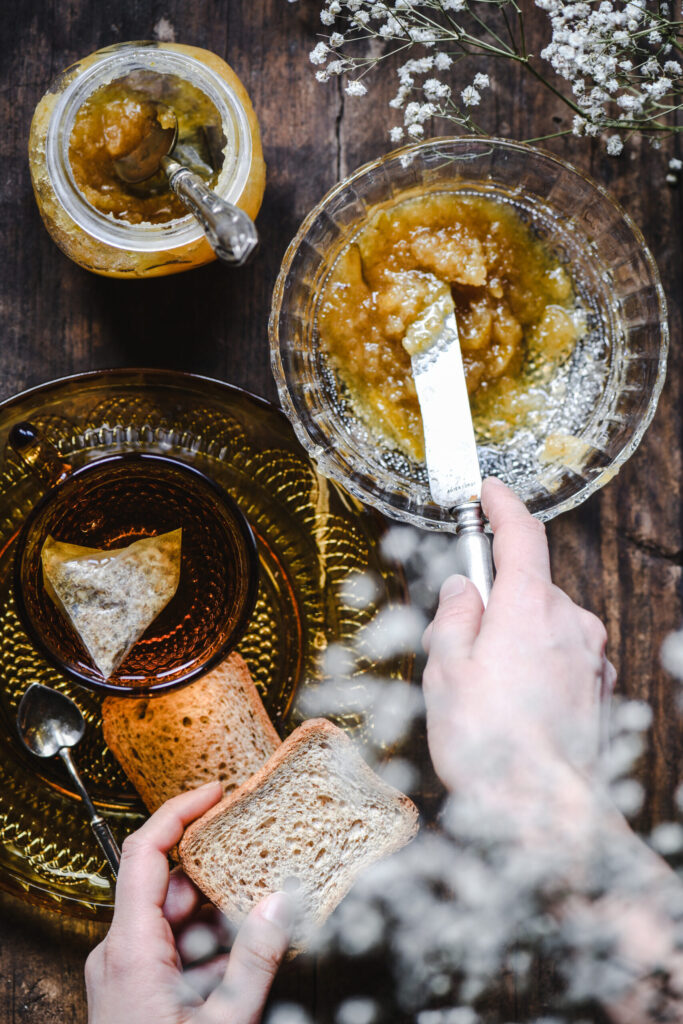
(215, 728)
(307, 822)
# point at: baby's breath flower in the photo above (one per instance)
(436, 90)
(327, 17)
(412, 113)
(470, 96)
(396, 134)
(675, 164)
(657, 89)
(355, 88)
(416, 130)
(336, 40)
(400, 97)
(442, 61)
(481, 81)
(318, 54)
(614, 145)
(419, 34)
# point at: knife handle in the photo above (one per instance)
(473, 548)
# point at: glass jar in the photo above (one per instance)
(116, 248)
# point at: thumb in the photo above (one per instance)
(457, 621)
(257, 952)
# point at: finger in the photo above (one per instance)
(457, 621)
(143, 879)
(609, 679)
(519, 542)
(593, 631)
(183, 899)
(258, 950)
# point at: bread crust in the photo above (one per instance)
(163, 755)
(282, 756)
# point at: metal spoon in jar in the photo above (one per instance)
(50, 723)
(229, 230)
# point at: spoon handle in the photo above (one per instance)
(103, 833)
(229, 230)
(110, 849)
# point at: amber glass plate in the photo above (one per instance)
(311, 538)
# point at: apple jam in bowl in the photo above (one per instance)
(559, 307)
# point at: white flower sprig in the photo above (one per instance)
(618, 58)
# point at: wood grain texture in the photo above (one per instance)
(620, 554)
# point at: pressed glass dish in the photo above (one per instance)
(603, 398)
(313, 543)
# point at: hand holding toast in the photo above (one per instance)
(135, 975)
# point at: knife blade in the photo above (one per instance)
(450, 445)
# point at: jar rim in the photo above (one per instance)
(115, 62)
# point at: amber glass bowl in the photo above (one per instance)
(606, 393)
(113, 502)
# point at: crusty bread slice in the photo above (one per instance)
(312, 817)
(215, 728)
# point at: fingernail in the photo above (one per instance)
(453, 586)
(205, 785)
(279, 910)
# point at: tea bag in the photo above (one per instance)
(111, 597)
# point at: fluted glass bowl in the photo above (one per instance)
(606, 394)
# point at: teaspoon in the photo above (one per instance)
(49, 723)
(229, 230)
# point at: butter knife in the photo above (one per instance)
(450, 446)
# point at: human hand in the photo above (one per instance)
(513, 699)
(135, 975)
(522, 679)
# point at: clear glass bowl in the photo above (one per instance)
(607, 392)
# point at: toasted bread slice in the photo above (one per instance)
(215, 728)
(311, 818)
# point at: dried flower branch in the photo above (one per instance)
(616, 64)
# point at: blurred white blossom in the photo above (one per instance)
(671, 654)
(357, 1011)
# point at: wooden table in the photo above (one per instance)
(620, 554)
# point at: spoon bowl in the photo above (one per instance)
(144, 161)
(48, 720)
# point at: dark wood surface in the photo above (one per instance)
(620, 554)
